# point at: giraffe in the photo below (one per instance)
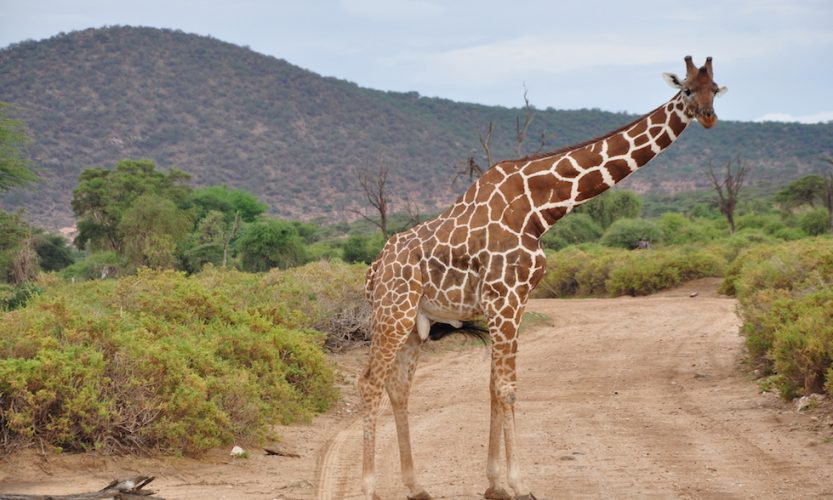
(482, 257)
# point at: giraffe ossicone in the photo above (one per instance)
(481, 258)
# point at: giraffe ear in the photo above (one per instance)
(722, 90)
(673, 80)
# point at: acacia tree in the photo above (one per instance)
(728, 189)
(809, 190)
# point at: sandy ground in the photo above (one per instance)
(617, 398)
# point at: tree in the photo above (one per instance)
(150, 230)
(53, 252)
(14, 234)
(220, 211)
(809, 190)
(375, 189)
(103, 197)
(270, 243)
(15, 168)
(611, 206)
(227, 201)
(728, 189)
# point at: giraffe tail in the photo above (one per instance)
(473, 329)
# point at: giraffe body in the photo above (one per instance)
(482, 258)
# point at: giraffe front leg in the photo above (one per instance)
(399, 388)
(495, 491)
(505, 383)
(504, 315)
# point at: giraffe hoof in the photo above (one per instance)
(420, 495)
(496, 494)
(526, 497)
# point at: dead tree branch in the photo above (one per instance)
(521, 130)
(374, 187)
(727, 189)
(126, 489)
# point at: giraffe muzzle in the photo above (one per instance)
(707, 118)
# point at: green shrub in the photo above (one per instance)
(362, 248)
(814, 222)
(769, 224)
(786, 296)
(560, 279)
(17, 296)
(677, 229)
(626, 233)
(793, 337)
(331, 296)
(604, 272)
(571, 230)
(156, 361)
(98, 265)
(648, 272)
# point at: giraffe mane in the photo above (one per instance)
(564, 149)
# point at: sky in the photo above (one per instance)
(775, 56)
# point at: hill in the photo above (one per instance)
(229, 115)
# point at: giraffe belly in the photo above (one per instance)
(447, 313)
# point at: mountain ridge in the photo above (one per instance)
(228, 115)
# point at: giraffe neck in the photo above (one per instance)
(555, 184)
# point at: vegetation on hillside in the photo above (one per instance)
(230, 116)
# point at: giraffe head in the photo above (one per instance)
(699, 90)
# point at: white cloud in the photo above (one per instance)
(821, 117)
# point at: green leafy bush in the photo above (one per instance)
(678, 229)
(646, 273)
(99, 265)
(157, 361)
(626, 233)
(599, 272)
(573, 229)
(814, 222)
(786, 296)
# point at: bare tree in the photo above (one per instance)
(728, 188)
(472, 169)
(374, 186)
(412, 212)
(521, 130)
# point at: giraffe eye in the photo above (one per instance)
(687, 92)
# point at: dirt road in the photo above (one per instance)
(617, 398)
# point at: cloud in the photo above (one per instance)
(821, 117)
(554, 54)
(383, 10)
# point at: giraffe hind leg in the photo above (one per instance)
(389, 335)
(399, 387)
